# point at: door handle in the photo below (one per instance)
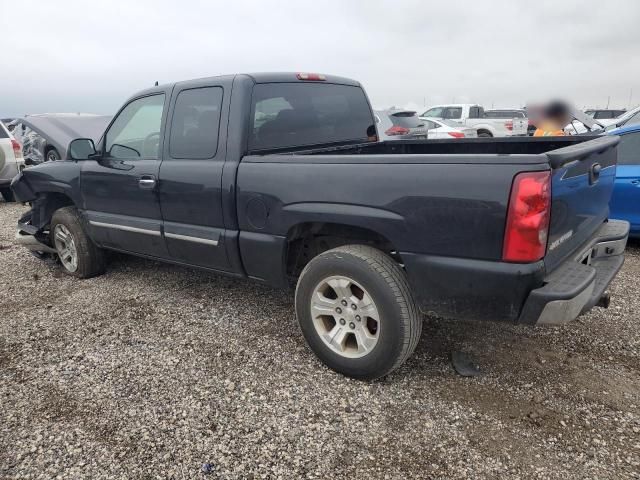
(147, 182)
(635, 182)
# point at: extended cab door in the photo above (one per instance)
(191, 174)
(119, 189)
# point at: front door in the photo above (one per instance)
(191, 175)
(120, 188)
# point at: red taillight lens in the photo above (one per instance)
(509, 124)
(314, 77)
(456, 134)
(525, 235)
(396, 130)
(17, 149)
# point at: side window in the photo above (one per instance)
(195, 123)
(629, 149)
(452, 113)
(433, 112)
(135, 133)
(474, 112)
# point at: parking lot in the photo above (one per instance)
(154, 371)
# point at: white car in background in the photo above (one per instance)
(441, 129)
(11, 161)
(471, 115)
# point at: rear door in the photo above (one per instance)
(625, 203)
(120, 189)
(191, 174)
(582, 184)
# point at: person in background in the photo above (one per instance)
(555, 118)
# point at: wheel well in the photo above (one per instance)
(48, 148)
(44, 206)
(484, 130)
(307, 240)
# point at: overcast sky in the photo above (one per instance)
(89, 56)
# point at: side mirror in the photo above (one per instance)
(81, 149)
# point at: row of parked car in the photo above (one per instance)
(45, 137)
(452, 121)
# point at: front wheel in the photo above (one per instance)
(78, 254)
(356, 311)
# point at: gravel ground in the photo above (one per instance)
(153, 371)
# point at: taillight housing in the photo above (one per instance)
(509, 124)
(17, 148)
(397, 130)
(456, 134)
(527, 228)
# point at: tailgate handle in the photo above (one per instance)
(594, 173)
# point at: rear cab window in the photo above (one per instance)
(292, 115)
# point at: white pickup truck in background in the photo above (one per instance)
(471, 115)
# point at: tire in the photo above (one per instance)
(51, 155)
(7, 194)
(484, 134)
(375, 276)
(90, 260)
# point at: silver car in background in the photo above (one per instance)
(45, 136)
(397, 124)
(11, 161)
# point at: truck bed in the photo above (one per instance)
(440, 203)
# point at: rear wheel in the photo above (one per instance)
(356, 311)
(78, 254)
(7, 194)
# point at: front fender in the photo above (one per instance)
(60, 177)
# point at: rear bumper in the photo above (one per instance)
(471, 289)
(579, 283)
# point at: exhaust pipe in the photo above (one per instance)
(605, 300)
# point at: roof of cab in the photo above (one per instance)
(258, 77)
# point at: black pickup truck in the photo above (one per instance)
(280, 178)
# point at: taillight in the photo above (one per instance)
(397, 130)
(456, 134)
(17, 149)
(509, 124)
(314, 77)
(525, 235)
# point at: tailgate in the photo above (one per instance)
(520, 126)
(582, 184)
